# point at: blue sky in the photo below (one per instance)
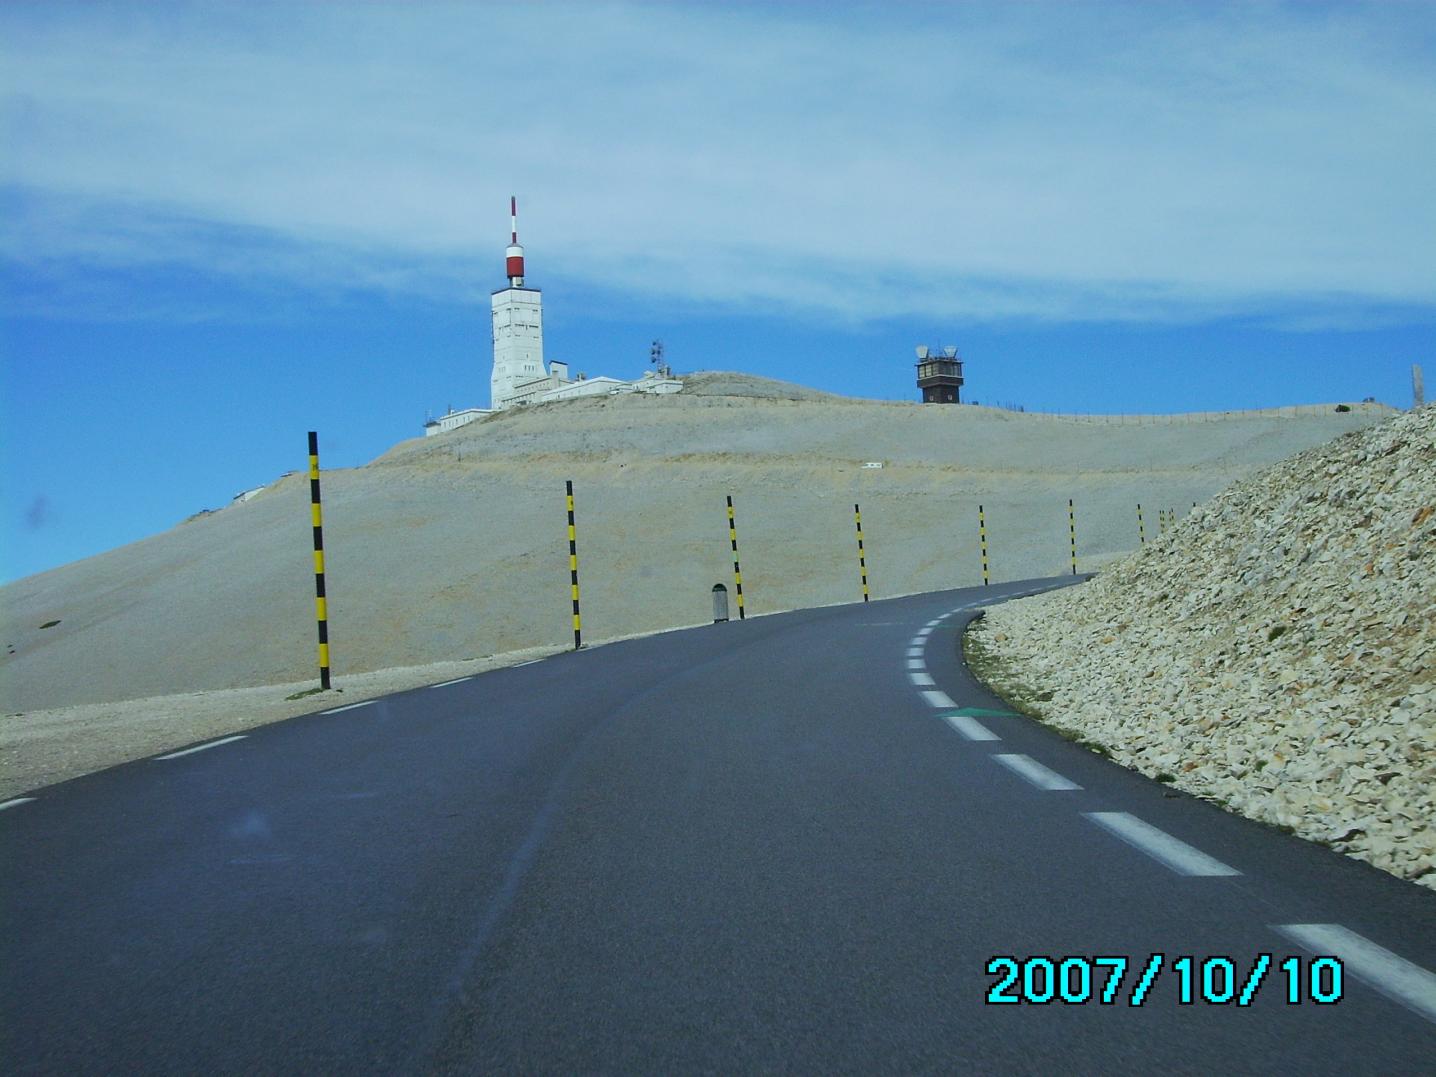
(227, 224)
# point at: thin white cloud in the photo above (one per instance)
(1050, 161)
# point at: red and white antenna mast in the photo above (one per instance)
(514, 256)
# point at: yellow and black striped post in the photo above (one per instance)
(316, 518)
(982, 539)
(737, 572)
(1072, 531)
(573, 566)
(1141, 531)
(862, 557)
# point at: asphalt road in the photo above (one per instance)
(766, 846)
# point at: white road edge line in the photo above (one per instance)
(202, 747)
(456, 680)
(1035, 772)
(921, 680)
(915, 663)
(17, 800)
(970, 727)
(938, 699)
(1395, 977)
(350, 707)
(915, 652)
(1159, 845)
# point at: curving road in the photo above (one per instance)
(789, 844)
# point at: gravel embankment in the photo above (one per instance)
(1274, 652)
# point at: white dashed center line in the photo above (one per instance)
(1159, 845)
(202, 747)
(1393, 976)
(1035, 772)
(970, 727)
(922, 680)
(915, 663)
(938, 699)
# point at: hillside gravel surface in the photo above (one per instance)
(451, 548)
(1275, 651)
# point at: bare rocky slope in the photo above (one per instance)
(1275, 652)
(455, 547)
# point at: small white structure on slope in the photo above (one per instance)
(519, 376)
(452, 420)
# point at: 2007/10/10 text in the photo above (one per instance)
(1042, 980)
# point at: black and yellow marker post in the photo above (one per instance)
(573, 566)
(862, 557)
(737, 572)
(1072, 531)
(1141, 531)
(316, 518)
(982, 541)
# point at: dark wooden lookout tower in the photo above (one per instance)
(939, 376)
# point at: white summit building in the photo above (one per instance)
(519, 375)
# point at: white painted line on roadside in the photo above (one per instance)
(1035, 772)
(923, 633)
(938, 699)
(1159, 845)
(970, 727)
(932, 624)
(456, 680)
(351, 706)
(915, 663)
(915, 651)
(530, 662)
(922, 680)
(17, 800)
(1395, 977)
(202, 747)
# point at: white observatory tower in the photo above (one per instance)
(518, 325)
